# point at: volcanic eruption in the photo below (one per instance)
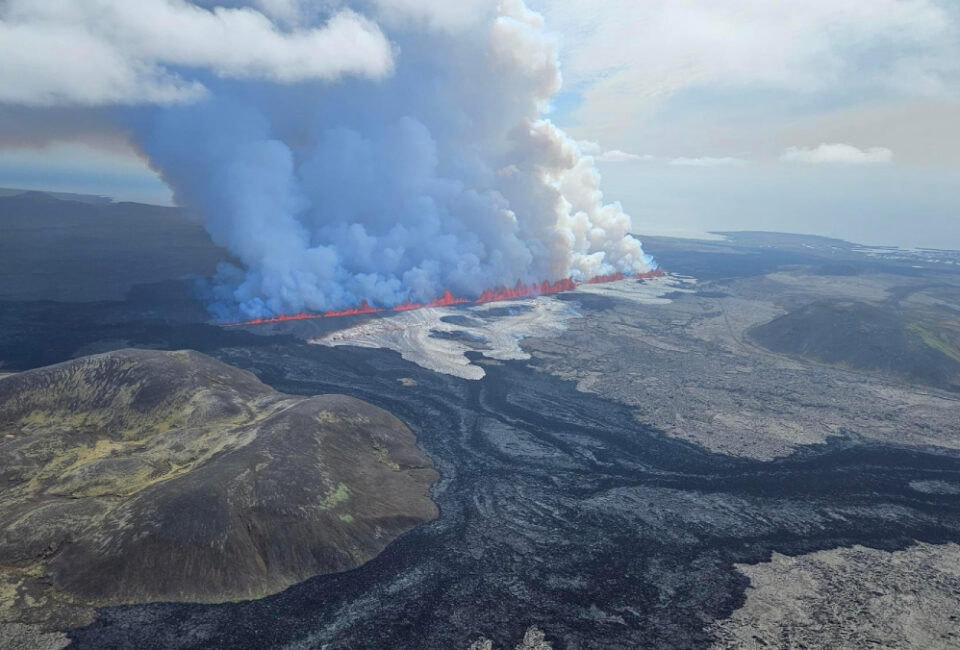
(383, 155)
(448, 299)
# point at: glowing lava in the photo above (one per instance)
(603, 279)
(526, 291)
(498, 294)
(363, 309)
(446, 300)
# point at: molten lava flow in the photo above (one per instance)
(545, 288)
(363, 309)
(526, 291)
(446, 300)
(603, 279)
(656, 273)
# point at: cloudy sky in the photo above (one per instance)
(834, 117)
(837, 117)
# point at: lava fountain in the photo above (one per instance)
(497, 294)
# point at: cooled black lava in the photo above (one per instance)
(557, 509)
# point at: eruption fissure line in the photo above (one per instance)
(448, 299)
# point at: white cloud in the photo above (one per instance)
(450, 15)
(707, 161)
(591, 148)
(617, 156)
(601, 155)
(838, 153)
(630, 56)
(99, 52)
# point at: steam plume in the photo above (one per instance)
(443, 175)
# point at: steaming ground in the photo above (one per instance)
(439, 338)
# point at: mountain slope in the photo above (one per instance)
(138, 476)
(866, 337)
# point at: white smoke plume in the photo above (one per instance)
(341, 177)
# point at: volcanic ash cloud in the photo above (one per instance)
(436, 171)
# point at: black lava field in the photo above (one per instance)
(558, 509)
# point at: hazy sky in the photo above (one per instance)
(835, 117)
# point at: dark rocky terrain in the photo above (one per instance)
(637, 483)
(137, 476)
(868, 337)
(75, 251)
(558, 509)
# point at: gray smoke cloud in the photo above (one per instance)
(377, 151)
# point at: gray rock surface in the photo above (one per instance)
(850, 598)
(690, 368)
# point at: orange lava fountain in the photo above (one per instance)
(446, 300)
(603, 279)
(498, 294)
(526, 291)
